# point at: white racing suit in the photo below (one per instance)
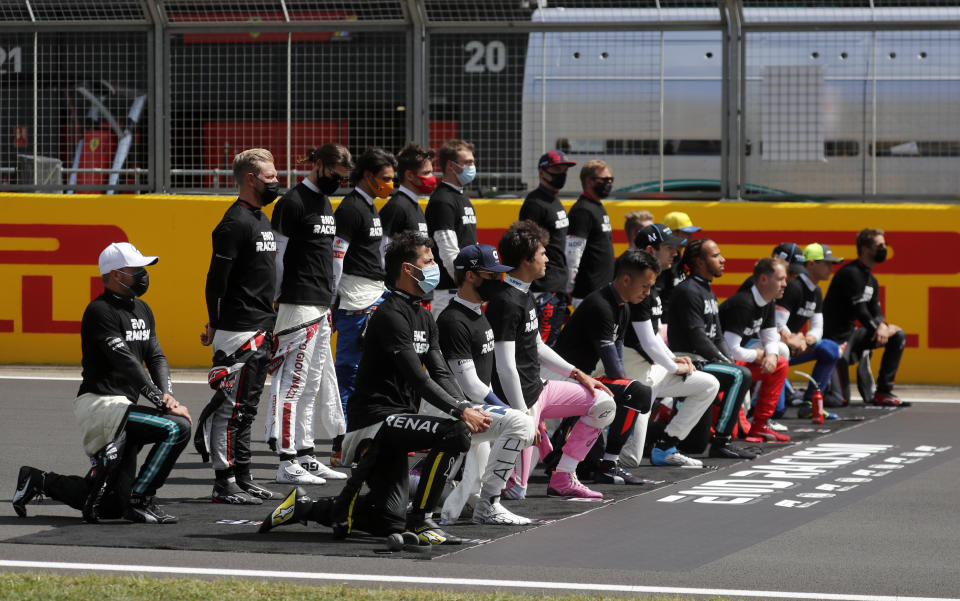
(303, 374)
(492, 457)
(698, 390)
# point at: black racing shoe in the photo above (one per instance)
(805, 411)
(230, 493)
(29, 485)
(430, 533)
(145, 511)
(725, 450)
(610, 472)
(294, 509)
(253, 489)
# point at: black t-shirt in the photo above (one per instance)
(402, 214)
(466, 334)
(589, 220)
(802, 303)
(601, 317)
(513, 317)
(666, 282)
(740, 314)
(449, 209)
(693, 306)
(649, 309)
(399, 324)
(244, 236)
(306, 218)
(118, 336)
(545, 209)
(358, 223)
(853, 295)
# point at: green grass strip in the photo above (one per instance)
(29, 586)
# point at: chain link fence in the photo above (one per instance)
(683, 98)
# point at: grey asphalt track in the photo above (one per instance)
(883, 532)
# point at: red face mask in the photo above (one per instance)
(426, 184)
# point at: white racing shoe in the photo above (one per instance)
(494, 513)
(672, 457)
(291, 472)
(315, 468)
(776, 426)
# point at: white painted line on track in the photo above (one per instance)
(427, 580)
(78, 379)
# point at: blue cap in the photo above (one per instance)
(480, 257)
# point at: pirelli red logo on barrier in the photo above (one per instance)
(54, 245)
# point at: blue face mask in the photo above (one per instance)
(467, 174)
(431, 277)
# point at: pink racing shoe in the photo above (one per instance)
(565, 484)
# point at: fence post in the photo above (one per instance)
(418, 103)
(733, 86)
(159, 176)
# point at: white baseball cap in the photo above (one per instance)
(122, 254)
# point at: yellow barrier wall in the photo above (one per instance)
(49, 246)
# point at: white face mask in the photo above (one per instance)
(431, 277)
(467, 174)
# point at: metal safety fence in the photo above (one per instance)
(847, 99)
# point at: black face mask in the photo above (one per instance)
(557, 180)
(141, 281)
(328, 185)
(880, 255)
(487, 289)
(602, 189)
(271, 190)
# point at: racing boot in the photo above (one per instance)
(101, 476)
(230, 493)
(317, 469)
(29, 485)
(246, 483)
(145, 511)
(429, 532)
(721, 448)
(296, 508)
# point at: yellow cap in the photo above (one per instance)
(680, 222)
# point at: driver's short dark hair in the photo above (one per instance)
(403, 249)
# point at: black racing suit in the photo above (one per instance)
(854, 295)
(401, 339)
(694, 329)
(595, 333)
(117, 337)
(240, 291)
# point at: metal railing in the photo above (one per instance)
(682, 98)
